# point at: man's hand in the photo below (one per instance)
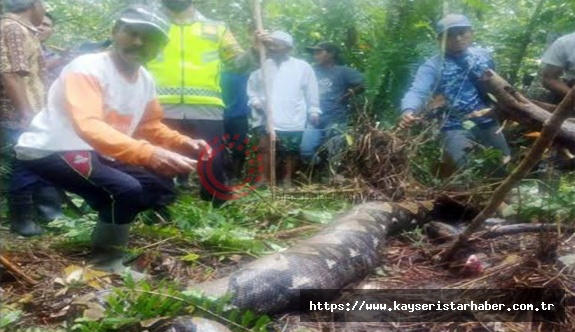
(170, 164)
(407, 120)
(260, 36)
(197, 148)
(256, 105)
(314, 119)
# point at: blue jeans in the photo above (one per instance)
(457, 142)
(331, 137)
(310, 143)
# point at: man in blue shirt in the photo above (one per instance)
(454, 75)
(236, 113)
(337, 83)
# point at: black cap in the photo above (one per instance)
(326, 46)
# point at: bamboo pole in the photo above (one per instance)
(268, 109)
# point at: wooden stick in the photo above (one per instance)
(447, 232)
(269, 111)
(548, 134)
(497, 231)
(16, 270)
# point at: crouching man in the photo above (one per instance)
(101, 135)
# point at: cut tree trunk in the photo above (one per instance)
(513, 106)
(550, 130)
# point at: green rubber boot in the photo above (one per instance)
(108, 245)
(21, 216)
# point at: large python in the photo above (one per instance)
(345, 251)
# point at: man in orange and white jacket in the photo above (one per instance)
(101, 134)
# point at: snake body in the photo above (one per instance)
(345, 251)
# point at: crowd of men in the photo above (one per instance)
(123, 126)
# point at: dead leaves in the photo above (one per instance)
(75, 276)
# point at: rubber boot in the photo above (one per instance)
(48, 203)
(21, 215)
(108, 248)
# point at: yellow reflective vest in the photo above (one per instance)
(188, 69)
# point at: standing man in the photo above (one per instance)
(294, 99)
(454, 73)
(337, 83)
(22, 95)
(558, 73)
(236, 117)
(187, 73)
(558, 77)
(97, 140)
(53, 61)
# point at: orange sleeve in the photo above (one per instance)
(152, 129)
(84, 103)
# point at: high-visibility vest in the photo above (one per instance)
(187, 71)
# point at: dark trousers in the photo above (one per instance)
(18, 178)
(118, 192)
(236, 133)
(214, 172)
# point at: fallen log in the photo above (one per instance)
(442, 232)
(512, 105)
(548, 134)
(497, 231)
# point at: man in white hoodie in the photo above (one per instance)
(95, 139)
(294, 100)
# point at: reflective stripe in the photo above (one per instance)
(179, 91)
(188, 70)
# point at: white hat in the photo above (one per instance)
(282, 36)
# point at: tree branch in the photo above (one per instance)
(548, 134)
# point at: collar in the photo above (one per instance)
(196, 17)
(278, 64)
(27, 24)
(459, 56)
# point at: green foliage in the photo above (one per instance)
(74, 229)
(416, 237)
(551, 200)
(387, 40)
(236, 227)
(8, 316)
(221, 308)
(140, 301)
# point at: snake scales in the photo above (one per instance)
(344, 252)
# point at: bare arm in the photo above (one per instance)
(16, 91)
(552, 80)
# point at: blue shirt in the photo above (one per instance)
(234, 94)
(334, 82)
(451, 77)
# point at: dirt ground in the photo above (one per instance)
(509, 261)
